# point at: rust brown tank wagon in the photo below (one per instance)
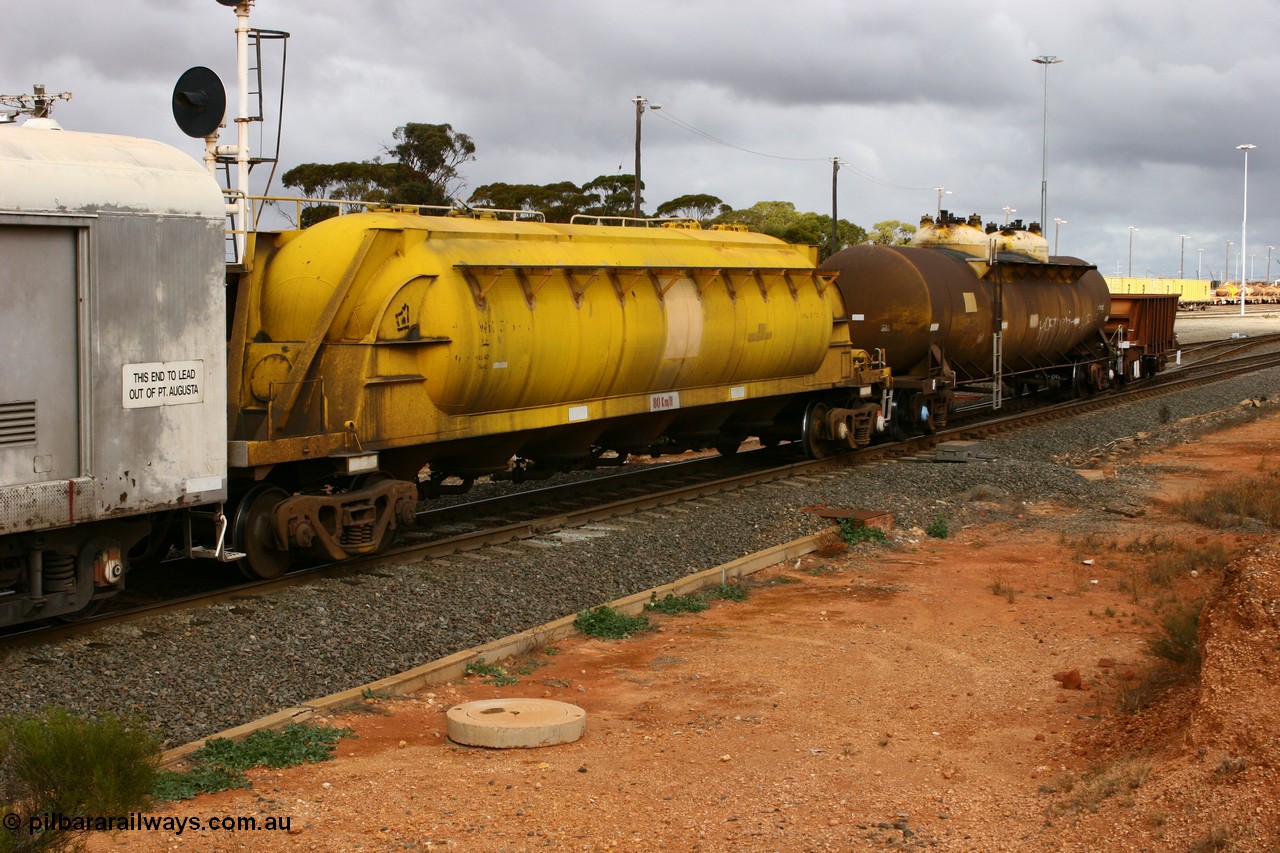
(968, 306)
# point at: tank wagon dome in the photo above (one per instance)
(1014, 239)
(951, 232)
(44, 169)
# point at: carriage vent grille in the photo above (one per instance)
(17, 423)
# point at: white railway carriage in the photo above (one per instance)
(112, 357)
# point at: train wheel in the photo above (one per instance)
(815, 445)
(1080, 383)
(897, 422)
(88, 611)
(253, 535)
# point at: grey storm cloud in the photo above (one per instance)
(1145, 111)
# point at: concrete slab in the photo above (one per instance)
(515, 723)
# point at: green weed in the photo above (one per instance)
(531, 666)
(856, 533)
(172, 786)
(491, 673)
(609, 623)
(674, 605)
(221, 762)
(728, 592)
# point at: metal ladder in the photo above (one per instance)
(997, 370)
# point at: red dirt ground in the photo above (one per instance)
(922, 695)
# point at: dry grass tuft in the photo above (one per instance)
(1087, 793)
(1234, 503)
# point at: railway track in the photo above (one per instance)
(1210, 351)
(533, 513)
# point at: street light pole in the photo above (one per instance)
(941, 191)
(1244, 223)
(1199, 264)
(835, 222)
(1269, 248)
(1057, 224)
(1046, 61)
(1226, 262)
(1131, 230)
(1182, 256)
(640, 103)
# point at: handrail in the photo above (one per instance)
(646, 222)
(257, 203)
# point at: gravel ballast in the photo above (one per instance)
(195, 673)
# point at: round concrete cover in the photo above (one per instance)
(507, 723)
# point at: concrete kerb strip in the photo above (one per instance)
(454, 666)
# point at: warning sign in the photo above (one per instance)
(163, 383)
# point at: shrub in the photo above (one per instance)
(1180, 641)
(58, 763)
(1149, 689)
(1231, 765)
(609, 623)
(938, 529)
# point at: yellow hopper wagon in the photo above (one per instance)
(383, 357)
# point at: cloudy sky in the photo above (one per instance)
(1144, 112)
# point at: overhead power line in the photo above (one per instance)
(665, 115)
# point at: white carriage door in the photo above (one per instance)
(39, 413)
